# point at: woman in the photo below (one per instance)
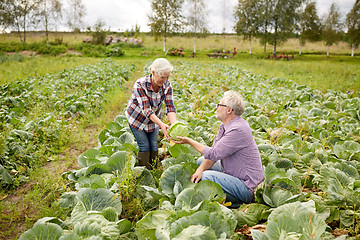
(144, 110)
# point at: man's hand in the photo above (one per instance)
(196, 177)
(182, 140)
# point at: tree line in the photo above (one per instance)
(19, 15)
(271, 21)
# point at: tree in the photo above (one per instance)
(99, 33)
(49, 11)
(283, 19)
(310, 25)
(265, 22)
(19, 14)
(5, 18)
(247, 19)
(332, 27)
(353, 25)
(166, 18)
(196, 18)
(75, 15)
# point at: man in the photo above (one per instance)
(234, 160)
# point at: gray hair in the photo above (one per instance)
(161, 66)
(235, 101)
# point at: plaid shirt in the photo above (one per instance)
(145, 101)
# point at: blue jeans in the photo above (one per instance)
(230, 185)
(147, 141)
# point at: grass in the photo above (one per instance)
(38, 66)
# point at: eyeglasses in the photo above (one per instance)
(218, 105)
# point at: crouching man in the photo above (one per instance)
(234, 160)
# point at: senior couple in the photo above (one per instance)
(233, 161)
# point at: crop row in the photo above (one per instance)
(309, 144)
(37, 113)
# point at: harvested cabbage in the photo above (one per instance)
(178, 129)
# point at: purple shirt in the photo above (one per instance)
(235, 146)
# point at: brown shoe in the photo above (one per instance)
(144, 159)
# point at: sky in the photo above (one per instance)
(121, 15)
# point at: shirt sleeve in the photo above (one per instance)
(169, 103)
(143, 100)
(226, 146)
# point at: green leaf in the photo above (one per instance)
(5, 176)
(126, 138)
(118, 161)
(68, 200)
(110, 214)
(97, 169)
(43, 231)
(249, 214)
(94, 200)
(147, 226)
(178, 149)
(70, 236)
(90, 157)
(258, 235)
(295, 219)
(169, 178)
(124, 226)
(94, 181)
(196, 232)
(204, 190)
(214, 220)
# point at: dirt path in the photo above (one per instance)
(21, 208)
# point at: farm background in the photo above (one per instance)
(20, 207)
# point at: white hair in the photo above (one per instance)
(235, 101)
(161, 66)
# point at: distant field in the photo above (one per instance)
(211, 42)
(312, 68)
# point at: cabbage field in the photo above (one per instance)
(37, 114)
(310, 147)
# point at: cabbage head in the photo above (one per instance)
(178, 129)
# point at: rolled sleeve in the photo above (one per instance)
(169, 103)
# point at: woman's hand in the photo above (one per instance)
(164, 127)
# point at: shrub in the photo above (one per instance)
(51, 50)
(15, 58)
(90, 50)
(114, 50)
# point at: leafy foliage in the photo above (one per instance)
(308, 141)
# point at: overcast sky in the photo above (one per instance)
(121, 15)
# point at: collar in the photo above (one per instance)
(149, 86)
(231, 123)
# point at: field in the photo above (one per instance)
(64, 115)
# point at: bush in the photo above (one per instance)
(15, 58)
(114, 50)
(90, 50)
(51, 50)
(13, 47)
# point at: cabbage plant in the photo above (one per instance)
(178, 129)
